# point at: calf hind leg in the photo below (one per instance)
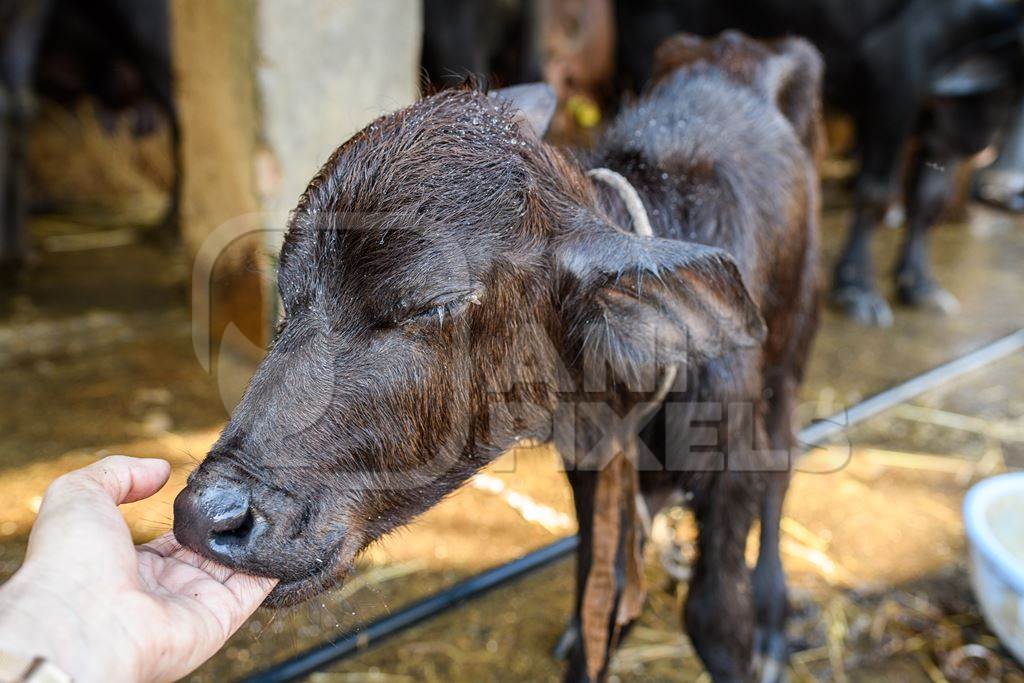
(771, 597)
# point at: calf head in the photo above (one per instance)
(440, 255)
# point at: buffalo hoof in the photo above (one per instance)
(770, 671)
(864, 306)
(1001, 189)
(927, 295)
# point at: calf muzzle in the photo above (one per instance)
(218, 519)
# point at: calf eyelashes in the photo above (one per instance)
(441, 308)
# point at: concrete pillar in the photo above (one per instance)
(266, 90)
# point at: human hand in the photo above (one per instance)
(102, 609)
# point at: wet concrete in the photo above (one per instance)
(96, 358)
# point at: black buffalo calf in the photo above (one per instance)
(452, 284)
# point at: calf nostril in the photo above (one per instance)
(236, 535)
(231, 520)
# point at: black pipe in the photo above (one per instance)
(821, 430)
(363, 637)
(373, 633)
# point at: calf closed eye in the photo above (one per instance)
(439, 310)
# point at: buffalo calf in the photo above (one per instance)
(452, 284)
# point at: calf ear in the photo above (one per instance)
(534, 104)
(793, 79)
(677, 51)
(639, 304)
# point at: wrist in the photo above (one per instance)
(20, 669)
(37, 619)
(22, 632)
(33, 625)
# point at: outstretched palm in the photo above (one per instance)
(115, 611)
(203, 602)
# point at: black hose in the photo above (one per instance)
(362, 637)
(822, 430)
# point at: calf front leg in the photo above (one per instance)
(719, 612)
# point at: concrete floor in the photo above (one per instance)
(96, 358)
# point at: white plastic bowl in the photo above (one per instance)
(994, 518)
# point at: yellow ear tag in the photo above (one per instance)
(584, 111)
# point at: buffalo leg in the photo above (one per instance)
(148, 33)
(771, 597)
(885, 123)
(11, 242)
(584, 488)
(1002, 183)
(23, 23)
(931, 184)
(14, 243)
(853, 288)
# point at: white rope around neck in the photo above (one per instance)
(630, 197)
(629, 439)
(642, 227)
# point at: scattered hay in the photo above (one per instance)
(109, 178)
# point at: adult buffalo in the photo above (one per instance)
(941, 74)
(116, 51)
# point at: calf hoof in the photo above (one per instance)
(770, 671)
(864, 306)
(565, 644)
(771, 657)
(928, 296)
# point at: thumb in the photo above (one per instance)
(79, 517)
(119, 478)
(114, 479)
